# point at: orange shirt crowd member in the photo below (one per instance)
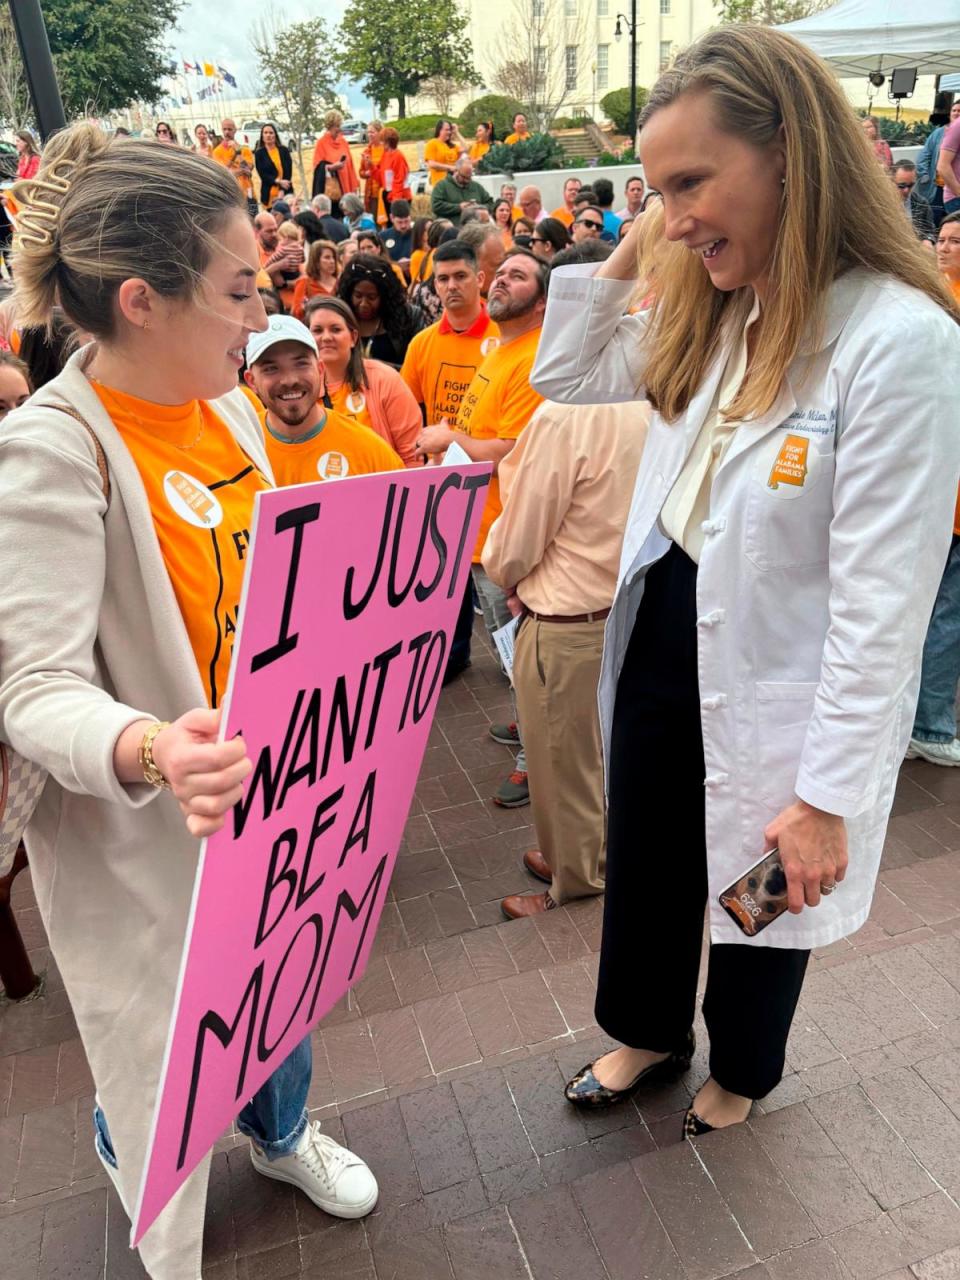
(200, 486)
(394, 169)
(370, 159)
(520, 130)
(500, 401)
(319, 278)
(332, 158)
(365, 391)
(306, 441)
(441, 152)
(564, 213)
(236, 157)
(484, 140)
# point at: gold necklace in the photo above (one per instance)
(119, 407)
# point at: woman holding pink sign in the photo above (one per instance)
(131, 477)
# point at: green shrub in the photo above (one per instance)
(493, 106)
(616, 104)
(570, 122)
(611, 157)
(415, 128)
(540, 151)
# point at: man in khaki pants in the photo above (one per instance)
(566, 488)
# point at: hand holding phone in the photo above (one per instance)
(758, 897)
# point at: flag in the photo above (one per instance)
(198, 67)
(231, 80)
(188, 66)
(209, 69)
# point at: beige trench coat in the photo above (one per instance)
(91, 640)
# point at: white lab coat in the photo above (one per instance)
(813, 600)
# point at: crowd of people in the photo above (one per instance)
(714, 499)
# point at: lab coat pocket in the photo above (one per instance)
(789, 504)
(783, 711)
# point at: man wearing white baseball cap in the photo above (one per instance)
(305, 440)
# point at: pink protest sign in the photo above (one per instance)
(350, 599)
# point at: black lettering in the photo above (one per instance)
(424, 590)
(295, 520)
(288, 840)
(241, 541)
(346, 905)
(352, 610)
(396, 597)
(420, 704)
(340, 710)
(311, 726)
(413, 646)
(470, 484)
(364, 814)
(216, 1025)
(322, 821)
(265, 1051)
(263, 777)
(381, 665)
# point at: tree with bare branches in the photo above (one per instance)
(540, 52)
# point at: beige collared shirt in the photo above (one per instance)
(688, 502)
(566, 487)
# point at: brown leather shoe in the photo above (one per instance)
(520, 905)
(537, 865)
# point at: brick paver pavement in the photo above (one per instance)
(446, 1065)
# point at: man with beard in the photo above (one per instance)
(305, 440)
(439, 367)
(497, 406)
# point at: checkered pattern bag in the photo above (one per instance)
(22, 781)
(21, 785)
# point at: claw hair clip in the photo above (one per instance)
(38, 219)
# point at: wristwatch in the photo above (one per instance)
(151, 773)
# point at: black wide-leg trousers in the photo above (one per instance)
(656, 885)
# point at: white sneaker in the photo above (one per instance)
(334, 1178)
(946, 753)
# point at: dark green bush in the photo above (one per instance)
(493, 106)
(570, 122)
(616, 105)
(415, 128)
(540, 151)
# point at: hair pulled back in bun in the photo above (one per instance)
(101, 211)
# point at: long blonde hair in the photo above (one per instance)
(839, 211)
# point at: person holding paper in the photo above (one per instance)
(788, 530)
(305, 440)
(127, 487)
(565, 487)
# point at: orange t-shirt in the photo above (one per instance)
(563, 215)
(341, 448)
(478, 150)
(440, 363)
(440, 153)
(303, 291)
(200, 486)
(351, 404)
(230, 157)
(497, 406)
(513, 138)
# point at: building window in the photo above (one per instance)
(569, 8)
(665, 7)
(571, 66)
(603, 8)
(666, 53)
(603, 66)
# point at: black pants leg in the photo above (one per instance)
(463, 631)
(657, 866)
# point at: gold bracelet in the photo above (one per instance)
(151, 773)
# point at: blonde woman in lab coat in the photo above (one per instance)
(789, 527)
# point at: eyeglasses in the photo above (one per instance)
(538, 240)
(906, 186)
(589, 222)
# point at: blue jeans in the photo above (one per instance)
(936, 718)
(275, 1117)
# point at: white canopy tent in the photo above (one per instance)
(860, 36)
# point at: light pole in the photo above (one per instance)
(631, 25)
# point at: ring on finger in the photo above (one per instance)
(828, 888)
